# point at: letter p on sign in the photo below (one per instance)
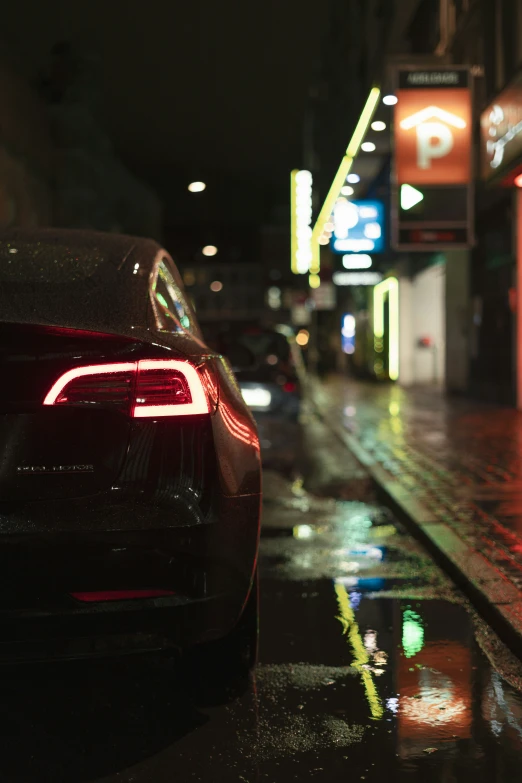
(434, 140)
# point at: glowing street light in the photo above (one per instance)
(368, 146)
(209, 250)
(378, 125)
(353, 179)
(390, 100)
(347, 190)
(197, 187)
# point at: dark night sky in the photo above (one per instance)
(196, 84)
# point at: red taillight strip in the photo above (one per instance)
(199, 402)
(198, 405)
(100, 596)
(78, 372)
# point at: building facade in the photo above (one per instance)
(458, 307)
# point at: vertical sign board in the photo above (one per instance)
(301, 221)
(501, 136)
(432, 197)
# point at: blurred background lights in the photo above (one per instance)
(348, 333)
(390, 100)
(378, 125)
(303, 531)
(347, 190)
(372, 231)
(357, 261)
(197, 187)
(314, 281)
(209, 250)
(274, 298)
(353, 179)
(368, 146)
(216, 286)
(302, 337)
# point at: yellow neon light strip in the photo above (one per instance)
(364, 121)
(389, 286)
(361, 657)
(293, 221)
(342, 172)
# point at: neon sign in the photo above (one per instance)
(301, 221)
(389, 287)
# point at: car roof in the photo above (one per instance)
(115, 246)
(90, 285)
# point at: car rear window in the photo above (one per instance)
(48, 284)
(260, 343)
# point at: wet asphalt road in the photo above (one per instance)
(372, 666)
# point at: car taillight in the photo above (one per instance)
(289, 386)
(168, 388)
(147, 388)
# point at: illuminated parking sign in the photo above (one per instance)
(432, 185)
(358, 226)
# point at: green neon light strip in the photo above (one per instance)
(389, 286)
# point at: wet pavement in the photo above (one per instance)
(461, 459)
(372, 666)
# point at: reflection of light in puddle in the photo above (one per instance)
(346, 581)
(373, 552)
(350, 566)
(412, 633)
(433, 707)
(370, 640)
(303, 531)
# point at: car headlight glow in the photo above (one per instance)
(257, 397)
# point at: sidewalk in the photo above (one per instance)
(453, 467)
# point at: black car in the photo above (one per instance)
(130, 479)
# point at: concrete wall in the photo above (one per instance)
(428, 313)
(422, 315)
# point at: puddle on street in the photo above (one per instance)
(406, 658)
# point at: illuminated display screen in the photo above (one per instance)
(358, 226)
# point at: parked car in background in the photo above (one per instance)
(270, 371)
(130, 479)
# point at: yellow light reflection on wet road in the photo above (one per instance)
(361, 657)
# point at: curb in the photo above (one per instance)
(496, 598)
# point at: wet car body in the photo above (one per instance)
(125, 522)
